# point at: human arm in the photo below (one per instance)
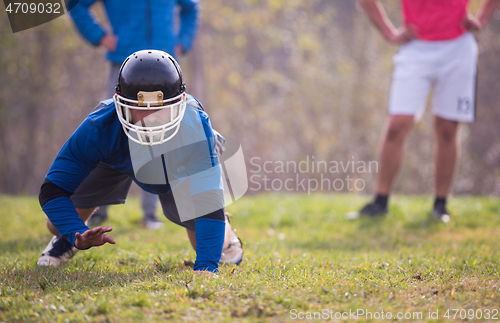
(77, 158)
(60, 211)
(479, 22)
(189, 15)
(194, 174)
(210, 233)
(85, 22)
(378, 17)
(57, 205)
(202, 192)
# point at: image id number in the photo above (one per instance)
(22, 7)
(471, 314)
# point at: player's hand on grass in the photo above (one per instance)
(403, 35)
(93, 238)
(471, 23)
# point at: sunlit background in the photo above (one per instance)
(289, 79)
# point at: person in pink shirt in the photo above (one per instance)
(437, 51)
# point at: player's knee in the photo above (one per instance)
(397, 129)
(447, 133)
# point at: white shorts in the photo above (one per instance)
(449, 67)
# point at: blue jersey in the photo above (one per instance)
(100, 138)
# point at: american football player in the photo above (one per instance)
(151, 132)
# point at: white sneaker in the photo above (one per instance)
(152, 224)
(57, 253)
(232, 252)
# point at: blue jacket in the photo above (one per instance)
(139, 24)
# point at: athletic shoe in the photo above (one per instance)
(57, 253)
(98, 218)
(439, 212)
(151, 223)
(232, 252)
(369, 210)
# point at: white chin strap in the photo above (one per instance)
(152, 135)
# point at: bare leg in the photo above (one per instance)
(84, 214)
(392, 151)
(192, 238)
(447, 153)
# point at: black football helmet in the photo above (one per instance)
(150, 97)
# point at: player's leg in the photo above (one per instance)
(99, 216)
(192, 237)
(453, 102)
(447, 153)
(410, 87)
(390, 159)
(392, 151)
(103, 186)
(149, 203)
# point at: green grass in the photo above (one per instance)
(300, 253)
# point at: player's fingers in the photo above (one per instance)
(100, 233)
(109, 239)
(405, 39)
(409, 35)
(106, 229)
(78, 236)
(412, 30)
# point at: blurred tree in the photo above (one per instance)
(288, 78)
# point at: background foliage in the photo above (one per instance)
(289, 79)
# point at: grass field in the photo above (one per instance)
(301, 257)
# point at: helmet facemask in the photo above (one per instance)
(150, 120)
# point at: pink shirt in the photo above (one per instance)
(435, 19)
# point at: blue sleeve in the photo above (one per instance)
(77, 158)
(85, 22)
(189, 21)
(209, 242)
(64, 217)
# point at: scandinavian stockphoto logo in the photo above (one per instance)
(310, 175)
(205, 174)
(25, 14)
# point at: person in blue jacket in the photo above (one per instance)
(152, 133)
(137, 25)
